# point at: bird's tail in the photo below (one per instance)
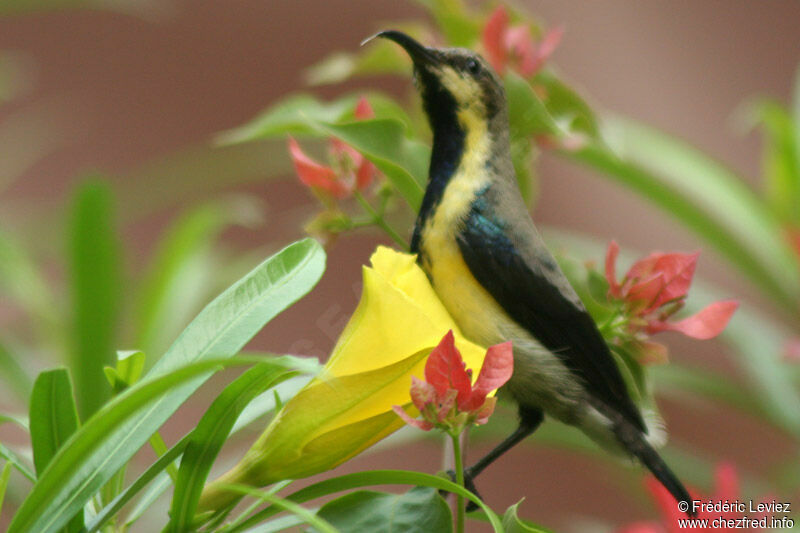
(635, 443)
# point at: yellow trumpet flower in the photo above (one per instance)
(348, 406)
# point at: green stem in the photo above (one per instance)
(459, 467)
(380, 222)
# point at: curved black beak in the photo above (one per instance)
(420, 55)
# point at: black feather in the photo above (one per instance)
(527, 293)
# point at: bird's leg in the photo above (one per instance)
(529, 420)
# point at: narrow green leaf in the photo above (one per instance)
(95, 280)
(285, 504)
(259, 407)
(704, 196)
(108, 512)
(366, 479)
(18, 463)
(14, 419)
(209, 436)
(13, 374)
(22, 283)
(5, 475)
(781, 161)
(514, 524)
(420, 510)
(53, 415)
(181, 273)
(130, 364)
(53, 419)
(222, 328)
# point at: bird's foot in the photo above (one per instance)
(469, 484)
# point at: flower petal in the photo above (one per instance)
(519, 42)
(678, 271)
(611, 269)
(496, 370)
(485, 411)
(422, 393)
(645, 291)
(363, 109)
(424, 425)
(445, 369)
(705, 324)
(365, 173)
(547, 46)
(493, 37)
(313, 174)
(446, 404)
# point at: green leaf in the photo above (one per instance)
(13, 374)
(781, 161)
(380, 57)
(22, 283)
(513, 524)
(5, 475)
(95, 280)
(420, 510)
(53, 419)
(365, 479)
(181, 273)
(222, 328)
(18, 463)
(284, 504)
(382, 140)
(141, 482)
(566, 107)
(53, 415)
(527, 113)
(209, 436)
(459, 26)
(706, 197)
(291, 116)
(259, 407)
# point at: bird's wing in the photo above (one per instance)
(527, 283)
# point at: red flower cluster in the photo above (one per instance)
(447, 399)
(504, 44)
(350, 171)
(726, 489)
(655, 288)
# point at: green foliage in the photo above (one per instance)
(420, 510)
(106, 442)
(95, 278)
(209, 436)
(53, 419)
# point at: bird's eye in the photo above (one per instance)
(473, 66)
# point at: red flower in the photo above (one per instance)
(791, 351)
(351, 171)
(726, 489)
(655, 288)
(501, 41)
(447, 399)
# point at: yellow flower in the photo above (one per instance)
(348, 407)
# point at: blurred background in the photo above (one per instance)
(132, 94)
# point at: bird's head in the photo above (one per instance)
(453, 82)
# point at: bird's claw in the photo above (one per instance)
(469, 484)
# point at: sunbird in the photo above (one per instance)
(488, 264)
